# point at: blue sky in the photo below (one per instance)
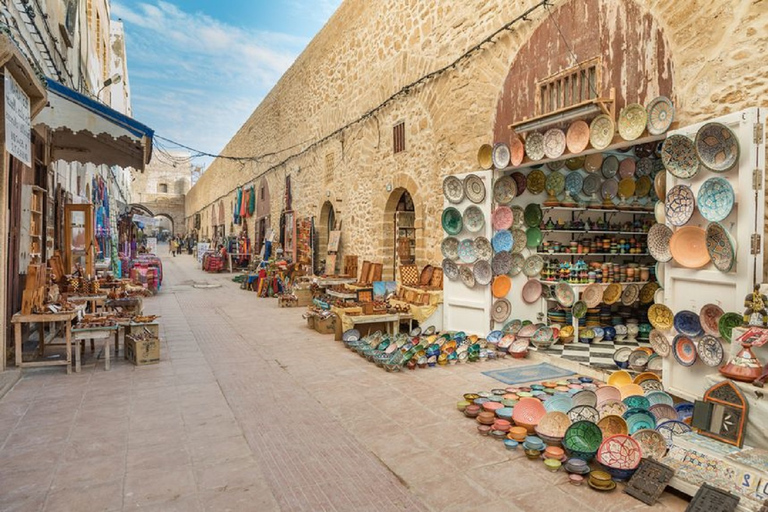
(198, 68)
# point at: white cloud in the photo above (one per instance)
(195, 79)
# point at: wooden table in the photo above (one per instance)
(93, 300)
(96, 333)
(44, 318)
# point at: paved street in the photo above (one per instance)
(251, 411)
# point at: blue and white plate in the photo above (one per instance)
(715, 199)
(670, 429)
(679, 205)
(467, 253)
(502, 241)
(688, 323)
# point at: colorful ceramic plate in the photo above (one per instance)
(647, 292)
(519, 240)
(474, 188)
(517, 263)
(688, 246)
(671, 429)
(504, 190)
(473, 219)
(710, 351)
(609, 189)
(534, 146)
(554, 143)
(450, 269)
(583, 413)
(652, 443)
(452, 223)
(592, 295)
(726, 324)
(659, 343)
(520, 181)
(612, 425)
(678, 155)
(679, 205)
(660, 184)
(644, 167)
(612, 293)
(593, 162)
(533, 237)
(502, 218)
(502, 241)
(579, 309)
(450, 248)
(661, 317)
(483, 248)
(591, 184)
(715, 199)
(601, 131)
(501, 286)
(500, 155)
(684, 350)
(555, 183)
(536, 181)
(610, 167)
(516, 150)
(661, 114)
(632, 121)
(564, 294)
(687, 322)
(483, 272)
(531, 291)
(577, 138)
(501, 310)
(630, 294)
(709, 316)
(485, 156)
(518, 217)
(533, 215)
(466, 275)
(658, 242)
(721, 247)
(467, 251)
(660, 397)
(501, 263)
(453, 190)
(717, 147)
(533, 266)
(612, 407)
(573, 183)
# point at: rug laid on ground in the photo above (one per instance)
(529, 373)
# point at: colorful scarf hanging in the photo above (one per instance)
(252, 202)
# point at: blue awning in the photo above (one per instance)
(85, 130)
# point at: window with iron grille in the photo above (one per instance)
(329, 163)
(398, 137)
(569, 87)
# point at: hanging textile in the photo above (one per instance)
(238, 201)
(252, 201)
(244, 203)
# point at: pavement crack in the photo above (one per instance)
(282, 366)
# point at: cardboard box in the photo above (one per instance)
(326, 325)
(142, 351)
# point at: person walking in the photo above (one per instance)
(174, 246)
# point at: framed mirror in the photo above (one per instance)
(722, 415)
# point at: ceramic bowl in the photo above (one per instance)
(621, 357)
(518, 433)
(575, 479)
(582, 440)
(619, 454)
(528, 412)
(553, 424)
(510, 444)
(552, 465)
(532, 454)
(484, 430)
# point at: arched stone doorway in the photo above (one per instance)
(326, 224)
(263, 209)
(400, 234)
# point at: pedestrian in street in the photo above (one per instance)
(174, 246)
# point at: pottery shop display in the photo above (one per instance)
(504, 190)
(474, 188)
(592, 295)
(485, 156)
(661, 114)
(671, 429)
(679, 205)
(601, 131)
(659, 237)
(500, 155)
(678, 155)
(632, 121)
(715, 199)
(627, 168)
(534, 145)
(575, 162)
(577, 137)
(473, 219)
(688, 246)
(584, 413)
(630, 294)
(717, 147)
(684, 350)
(688, 323)
(554, 143)
(453, 190)
(720, 247)
(710, 351)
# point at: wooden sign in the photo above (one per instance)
(334, 240)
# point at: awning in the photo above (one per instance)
(87, 131)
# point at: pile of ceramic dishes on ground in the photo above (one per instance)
(691, 337)
(583, 426)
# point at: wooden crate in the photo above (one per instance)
(142, 351)
(326, 325)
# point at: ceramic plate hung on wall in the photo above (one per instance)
(717, 147)
(632, 121)
(450, 248)
(450, 269)
(534, 146)
(504, 190)
(485, 156)
(689, 247)
(453, 190)
(577, 138)
(601, 131)
(474, 188)
(500, 155)
(678, 155)
(661, 114)
(610, 167)
(536, 181)
(501, 263)
(721, 247)
(679, 205)
(502, 218)
(658, 242)
(715, 199)
(467, 252)
(473, 219)
(554, 143)
(452, 223)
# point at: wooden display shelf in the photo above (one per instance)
(595, 232)
(597, 210)
(590, 254)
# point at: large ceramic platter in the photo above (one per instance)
(502, 218)
(684, 350)
(500, 155)
(467, 276)
(688, 246)
(452, 223)
(643, 186)
(518, 217)
(532, 290)
(678, 155)
(483, 272)
(661, 317)
(554, 143)
(474, 188)
(593, 162)
(727, 323)
(534, 146)
(483, 248)
(450, 248)
(573, 183)
(533, 237)
(688, 323)
(710, 351)
(609, 189)
(502, 241)
(721, 247)
(536, 181)
(709, 316)
(519, 240)
(610, 167)
(555, 183)
(520, 182)
(450, 269)
(533, 265)
(659, 343)
(630, 294)
(679, 205)
(612, 293)
(516, 151)
(661, 114)
(501, 286)
(577, 138)
(591, 184)
(632, 121)
(717, 147)
(601, 131)
(473, 219)
(516, 264)
(485, 156)
(627, 188)
(501, 263)
(453, 190)
(501, 310)
(627, 168)
(533, 215)
(592, 295)
(565, 294)
(467, 252)
(715, 199)
(658, 242)
(647, 292)
(504, 190)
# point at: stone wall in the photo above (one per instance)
(369, 50)
(163, 185)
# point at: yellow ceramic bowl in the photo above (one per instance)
(631, 390)
(646, 376)
(620, 378)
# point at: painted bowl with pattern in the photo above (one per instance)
(717, 147)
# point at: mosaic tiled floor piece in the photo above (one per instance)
(530, 373)
(598, 355)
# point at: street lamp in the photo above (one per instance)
(114, 79)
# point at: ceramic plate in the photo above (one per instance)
(687, 322)
(575, 162)
(452, 223)
(627, 188)
(531, 291)
(717, 147)
(501, 310)
(661, 317)
(610, 167)
(450, 248)
(632, 121)
(661, 114)
(555, 165)
(627, 168)
(659, 212)
(519, 240)
(534, 145)
(709, 316)
(467, 277)
(643, 186)
(577, 138)
(684, 350)
(583, 413)
(450, 269)
(591, 184)
(453, 190)
(573, 183)
(501, 263)
(721, 247)
(501, 286)
(536, 181)
(660, 184)
(467, 251)
(533, 215)
(500, 155)
(601, 131)
(647, 292)
(519, 181)
(612, 407)
(555, 183)
(659, 343)
(533, 237)
(652, 443)
(485, 156)
(518, 217)
(483, 248)
(630, 294)
(579, 309)
(564, 294)
(688, 246)
(609, 189)
(612, 293)
(715, 199)
(483, 272)
(533, 266)
(663, 412)
(516, 150)
(658, 242)
(504, 190)
(474, 188)
(502, 218)
(679, 157)
(726, 324)
(643, 167)
(710, 351)
(554, 143)
(671, 429)
(516, 264)
(473, 219)
(502, 241)
(679, 205)
(592, 295)
(593, 162)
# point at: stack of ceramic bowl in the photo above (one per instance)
(510, 444)
(472, 411)
(552, 465)
(517, 434)
(554, 452)
(533, 447)
(577, 466)
(601, 481)
(486, 418)
(620, 456)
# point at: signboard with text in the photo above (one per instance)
(201, 249)
(17, 121)
(151, 245)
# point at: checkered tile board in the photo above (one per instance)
(598, 355)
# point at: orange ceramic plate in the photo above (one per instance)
(689, 247)
(501, 286)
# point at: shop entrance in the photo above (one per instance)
(401, 211)
(324, 227)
